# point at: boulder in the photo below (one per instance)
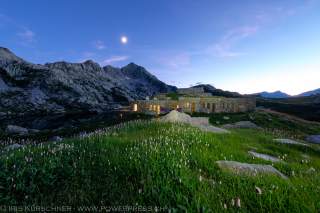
(311, 170)
(313, 139)
(209, 128)
(177, 117)
(241, 125)
(34, 131)
(289, 141)
(13, 146)
(18, 130)
(264, 156)
(249, 169)
(201, 123)
(56, 139)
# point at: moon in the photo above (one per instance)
(124, 39)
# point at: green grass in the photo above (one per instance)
(149, 163)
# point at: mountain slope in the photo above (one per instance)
(217, 92)
(309, 93)
(306, 107)
(62, 87)
(276, 94)
(137, 80)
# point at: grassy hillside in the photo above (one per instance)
(272, 122)
(277, 124)
(304, 107)
(172, 166)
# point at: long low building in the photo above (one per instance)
(205, 104)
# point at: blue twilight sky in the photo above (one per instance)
(239, 45)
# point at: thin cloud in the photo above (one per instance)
(224, 47)
(114, 59)
(175, 61)
(99, 45)
(27, 36)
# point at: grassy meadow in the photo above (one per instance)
(172, 166)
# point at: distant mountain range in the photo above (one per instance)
(217, 92)
(312, 92)
(278, 94)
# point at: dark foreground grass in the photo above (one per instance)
(172, 166)
(304, 107)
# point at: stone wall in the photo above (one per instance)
(190, 91)
(198, 104)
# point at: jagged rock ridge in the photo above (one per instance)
(61, 87)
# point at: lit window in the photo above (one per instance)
(135, 107)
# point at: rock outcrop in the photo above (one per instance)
(264, 156)
(241, 125)
(12, 129)
(202, 123)
(313, 139)
(13, 147)
(289, 141)
(177, 117)
(249, 169)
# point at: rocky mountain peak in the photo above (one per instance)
(132, 65)
(7, 56)
(91, 63)
(86, 66)
(137, 71)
